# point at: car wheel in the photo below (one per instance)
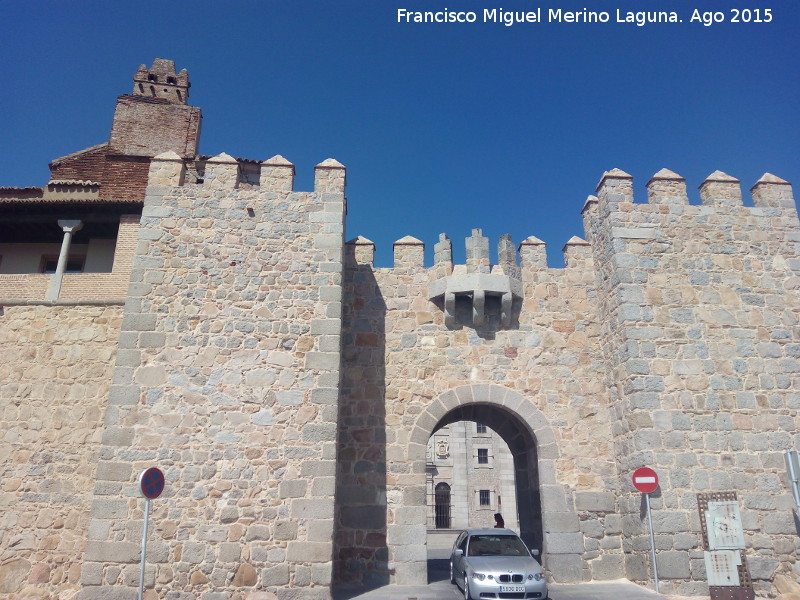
(452, 573)
(467, 595)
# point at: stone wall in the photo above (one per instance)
(292, 425)
(56, 369)
(700, 312)
(227, 380)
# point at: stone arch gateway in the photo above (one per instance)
(530, 439)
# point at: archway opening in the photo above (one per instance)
(476, 466)
(521, 504)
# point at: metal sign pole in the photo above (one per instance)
(652, 540)
(144, 546)
(791, 466)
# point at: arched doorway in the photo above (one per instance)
(531, 441)
(522, 447)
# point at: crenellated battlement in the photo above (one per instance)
(477, 278)
(227, 173)
(668, 188)
(529, 255)
(616, 225)
(665, 190)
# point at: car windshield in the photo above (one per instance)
(496, 545)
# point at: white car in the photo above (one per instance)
(495, 563)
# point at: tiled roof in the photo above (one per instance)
(78, 153)
(5, 199)
(72, 182)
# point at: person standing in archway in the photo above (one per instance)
(498, 521)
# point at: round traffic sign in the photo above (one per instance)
(645, 480)
(151, 482)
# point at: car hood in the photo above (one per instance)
(503, 564)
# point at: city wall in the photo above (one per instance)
(288, 389)
(699, 309)
(226, 378)
(56, 370)
(670, 340)
(404, 370)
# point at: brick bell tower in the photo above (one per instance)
(156, 118)
(160, 81)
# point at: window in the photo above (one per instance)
(49, 263)
(481, 428)
(483, 456)
(442, 503)
(498, 545)
(484, 497)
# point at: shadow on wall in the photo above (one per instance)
(360, 551)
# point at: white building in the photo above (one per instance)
(470, 477)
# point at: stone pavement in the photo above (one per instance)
(440, 587)
(605, 590)
(443, 590)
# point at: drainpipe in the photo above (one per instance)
(69, 227)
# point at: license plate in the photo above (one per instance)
(512, 588)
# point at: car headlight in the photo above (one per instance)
(537, 576)
(479, 576)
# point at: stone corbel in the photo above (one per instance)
(506, 302)
(478, 307)
(449, 309)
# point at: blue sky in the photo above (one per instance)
(443, 127)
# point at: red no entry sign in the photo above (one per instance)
(645, 480)
(151, 482)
